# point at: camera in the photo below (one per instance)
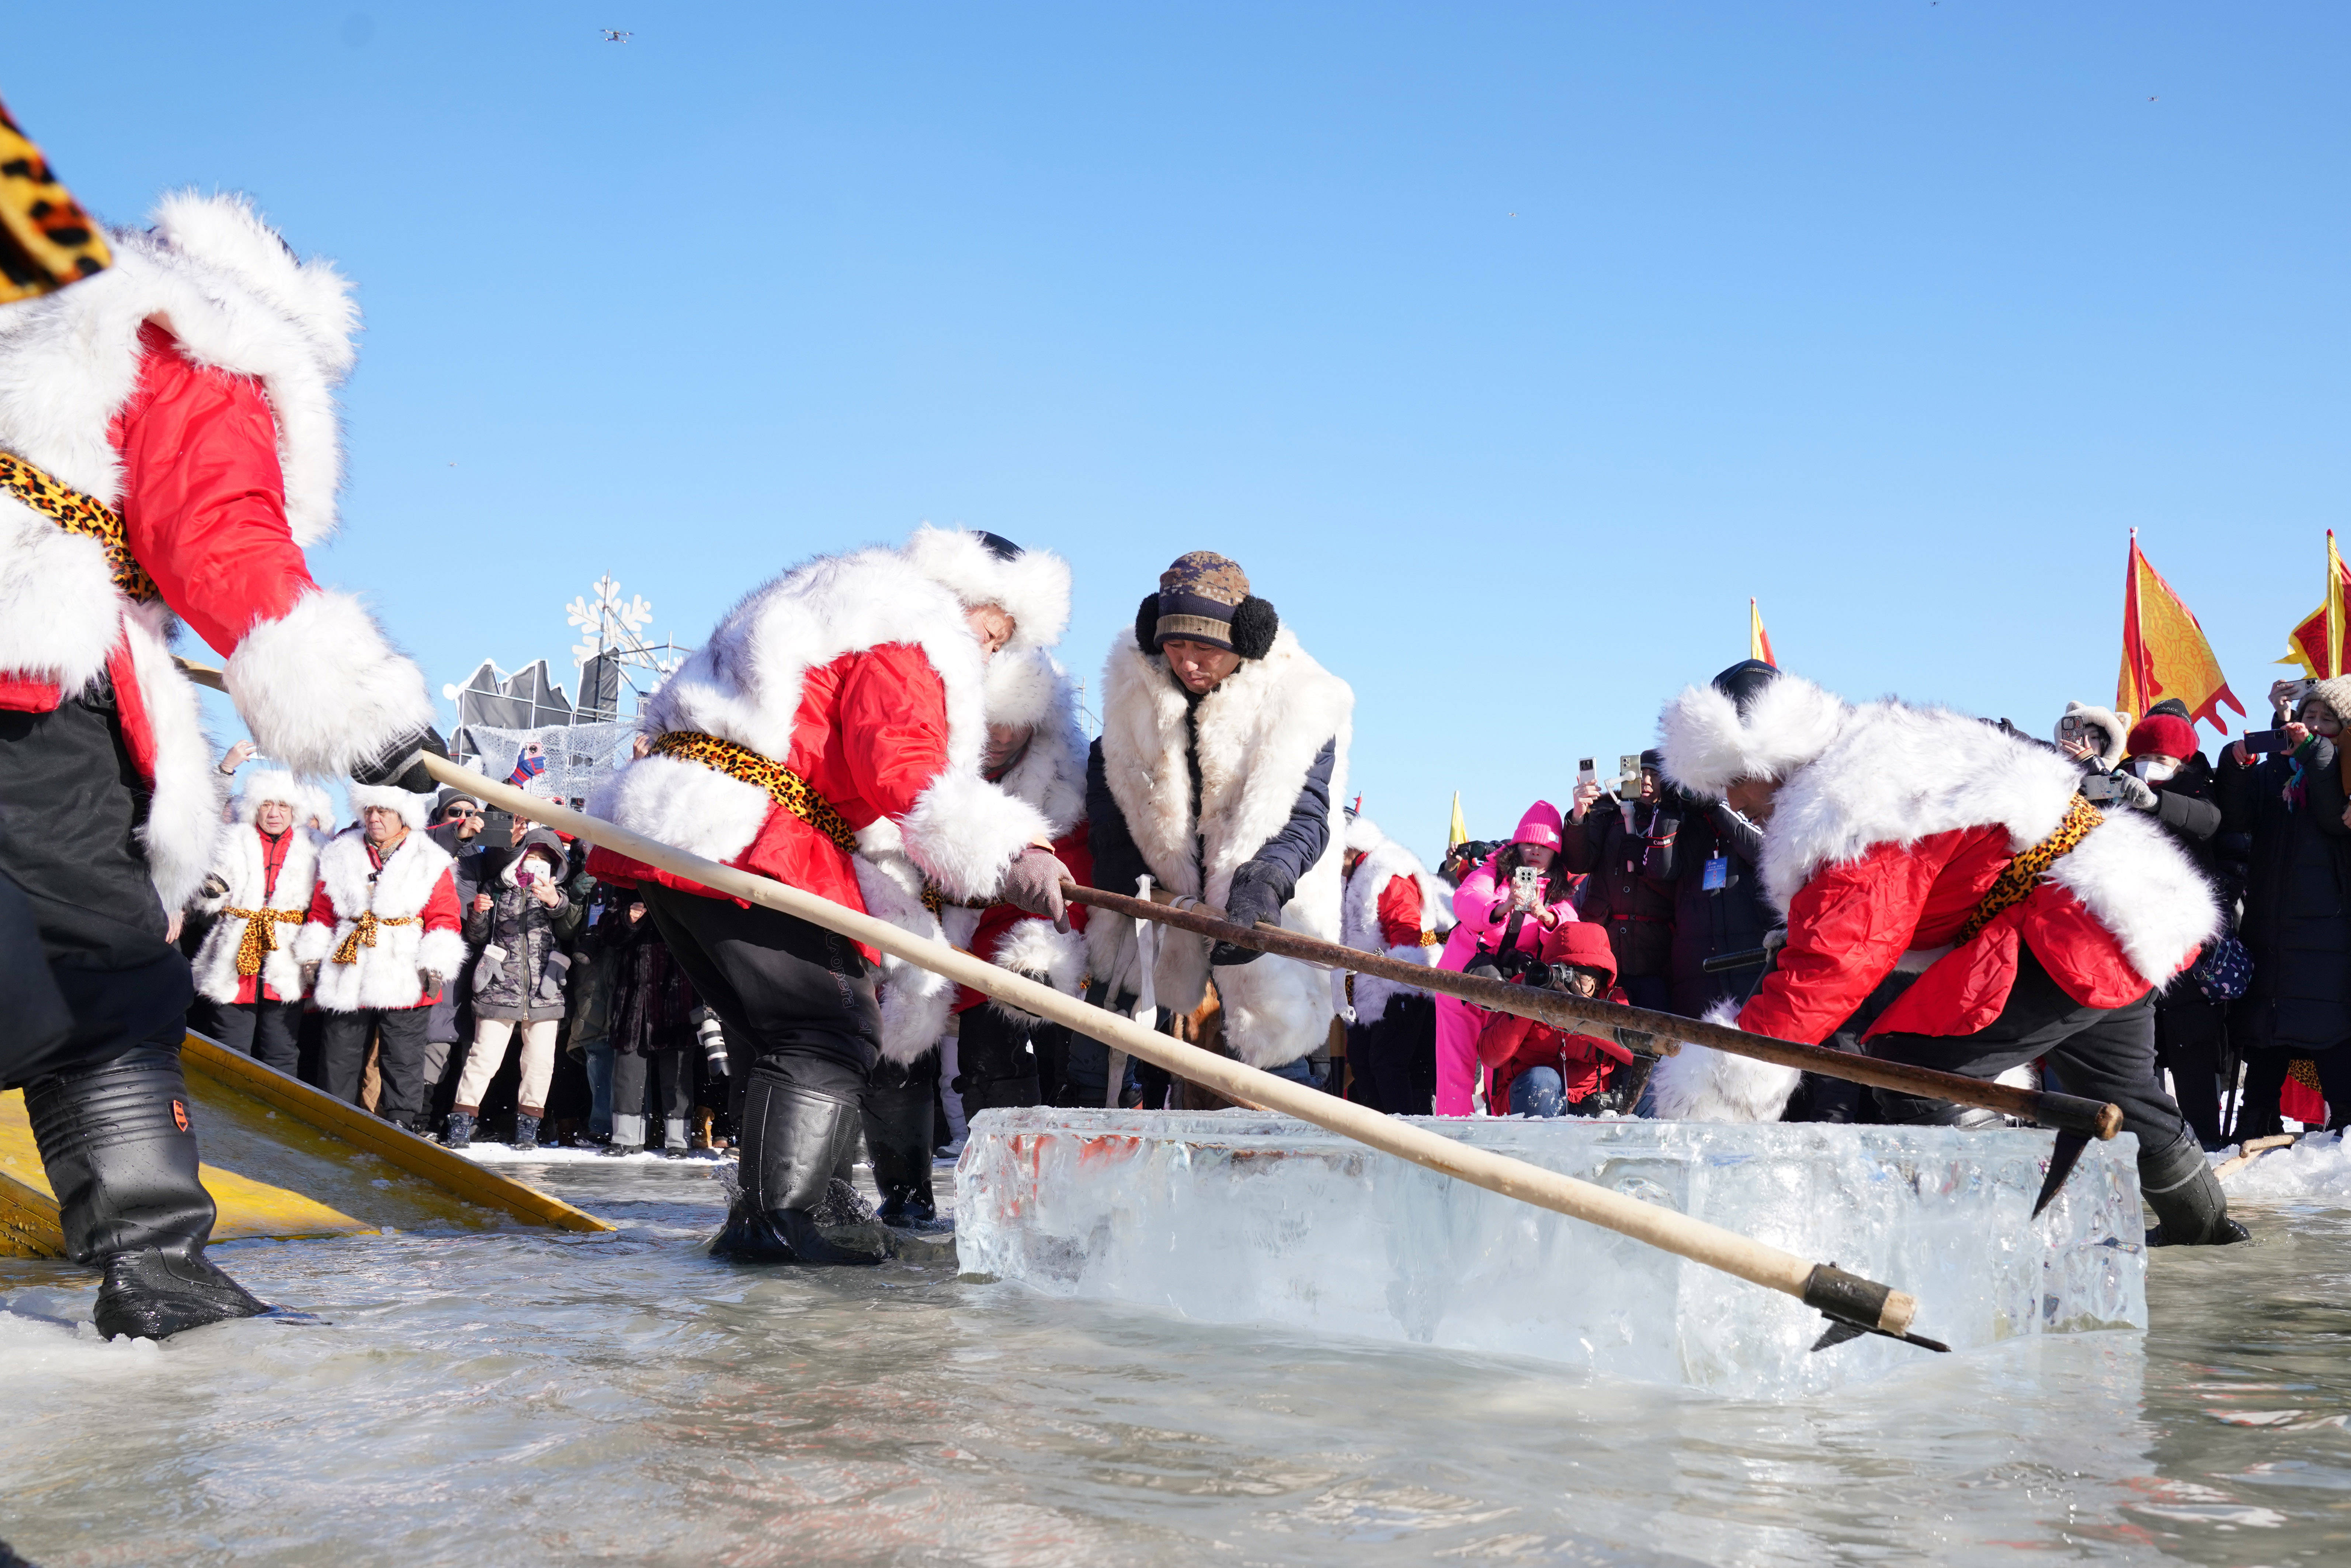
(2098, 788)
(2268, 742)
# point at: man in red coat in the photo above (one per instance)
(839, 707)
(168, 448)
(1900, 839)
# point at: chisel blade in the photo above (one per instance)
(2062, 1157)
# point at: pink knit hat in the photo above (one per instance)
(1540, 825)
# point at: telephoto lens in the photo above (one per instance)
(714, 1043)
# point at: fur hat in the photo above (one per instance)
(1710, 739)
(1205, 596)
(1364, 835)
(2116, 726)
(1024, 688)
(1032, 586)
(411, 806)
(267, 785)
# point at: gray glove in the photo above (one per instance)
(2133, 790)
(430, 981)
(1034, 884)
(1252, 899)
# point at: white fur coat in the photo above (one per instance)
(1259, 733)
(383, 976)
(320, 686)
(238, 863)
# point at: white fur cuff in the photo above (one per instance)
(966, 833)
(322, 688)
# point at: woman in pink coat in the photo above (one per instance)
(1495, 923)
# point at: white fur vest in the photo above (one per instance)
(1384, 861)
(1258, 735)
(238, 863)
(383, 976)
(320, 686)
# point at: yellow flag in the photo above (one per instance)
(2316, 644)
(1459, 832)
(2165, 652)
(1758, 641)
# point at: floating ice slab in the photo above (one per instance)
(1242, 1216)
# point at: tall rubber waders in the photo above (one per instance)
(1852, 1305)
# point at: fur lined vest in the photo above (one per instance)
(857, 673)
(1385, 860)
(215, 290)
(240, 864)
(415, 888)
(1259, 734)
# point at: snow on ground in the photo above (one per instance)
(2318, 1168)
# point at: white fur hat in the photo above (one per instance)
(412, 808)
(2116, 726)
(1028, 687)
(1364, 835)
(1033, 585)
(1710, 742)
(267, 784)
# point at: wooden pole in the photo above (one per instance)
(2071, 1112)
(1846, 1297)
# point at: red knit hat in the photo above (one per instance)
(2162, 734)
(1585, 943)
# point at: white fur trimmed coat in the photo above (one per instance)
(1259, 733)
(239, 864)
(414, 881)
(1384, 859)
(316, 681)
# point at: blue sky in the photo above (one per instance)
(1509, 349)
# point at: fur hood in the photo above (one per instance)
(1032, 587)
(1709, 744)
(744, 685)
(1384, 861)
(267, 784)
(1258, 735)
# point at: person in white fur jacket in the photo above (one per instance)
(835, 713)
(1395, 907)
(258, 894)
(169, 448)
(1924, 841)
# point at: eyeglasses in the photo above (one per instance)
(454, 812)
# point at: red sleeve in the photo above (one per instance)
(441, 911)
(322, 907)
(1846, 930)
(203, 504)
(1400, 915)
(892, 719)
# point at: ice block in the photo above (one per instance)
(1242, 1216)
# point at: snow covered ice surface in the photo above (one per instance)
(1241, 1217)
(2316, 1168)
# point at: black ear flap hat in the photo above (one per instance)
(1204, 598)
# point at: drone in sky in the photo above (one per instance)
(614, 35)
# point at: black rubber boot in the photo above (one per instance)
(898, 1142)
(2191, 1210)
(526, 1138)
(791, 1209)
(121, 1153)
(459, 1133)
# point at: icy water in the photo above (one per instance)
(536, 1398)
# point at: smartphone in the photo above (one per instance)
(497, 829)
(1526, 887)
(1629, 774)
(2268, 742)
(1585, 773)
(2098, 788)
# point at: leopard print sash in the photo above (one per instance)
(79, 514)
(784, 787)
(2023, 874)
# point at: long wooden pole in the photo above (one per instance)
(2093, 1118)
(1843, 1296)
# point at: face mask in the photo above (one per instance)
(2155, 769)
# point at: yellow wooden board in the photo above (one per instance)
(281, 1159)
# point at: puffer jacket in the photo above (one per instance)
(2297, 922)
(521, 971)
(1710, 921)
(1629, 884)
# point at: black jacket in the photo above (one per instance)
(2297, 925)
(1711, 921)
(1630, 876)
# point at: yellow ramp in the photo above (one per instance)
(281, 1159)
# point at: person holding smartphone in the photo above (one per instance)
(2287, 796)
(1502, 911)
(1629, 851)
(521, 922)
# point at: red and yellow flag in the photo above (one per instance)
(2317, 644)
(1758, 641)
(2165, 652)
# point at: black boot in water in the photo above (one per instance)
(898, 1142)
(121, 1157)
(2191, 1210)
(792, 1210)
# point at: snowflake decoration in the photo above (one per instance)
(606, 619)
